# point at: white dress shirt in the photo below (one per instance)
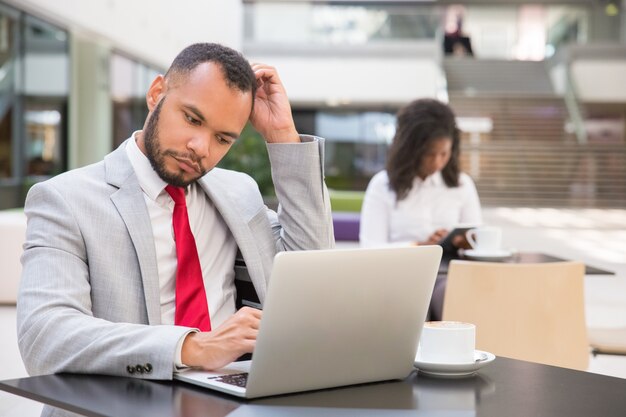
(215, 243)
(429, 205)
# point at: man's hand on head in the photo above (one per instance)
(271, 116)
(219, 347)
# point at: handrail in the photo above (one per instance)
(573, 108)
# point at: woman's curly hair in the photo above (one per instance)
(419, 124)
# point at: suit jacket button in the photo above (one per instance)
(139, 369)
(148, 368)
(130, 369)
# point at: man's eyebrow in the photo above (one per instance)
(196, 111)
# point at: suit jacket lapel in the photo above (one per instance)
(238, 226)
(131, 206)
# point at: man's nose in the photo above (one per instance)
(200, 145)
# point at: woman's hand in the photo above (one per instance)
(435, 238)
(460, 242)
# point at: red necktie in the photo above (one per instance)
(191, 304)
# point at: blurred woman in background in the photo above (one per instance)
(422, 195)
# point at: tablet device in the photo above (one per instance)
(446, 242)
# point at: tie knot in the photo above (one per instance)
(177, 194)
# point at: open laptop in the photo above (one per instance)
(334, 318)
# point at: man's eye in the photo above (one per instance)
(192, 120)
(222, 140)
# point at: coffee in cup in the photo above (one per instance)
(485, 239)
(447, 342)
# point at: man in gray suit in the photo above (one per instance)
(99, 290)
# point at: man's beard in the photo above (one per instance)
(156, 155)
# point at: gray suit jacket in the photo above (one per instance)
(89, 295)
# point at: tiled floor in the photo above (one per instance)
(597, 237)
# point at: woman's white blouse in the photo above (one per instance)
(429, 205)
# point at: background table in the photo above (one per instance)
(524, 258)
(506, 387)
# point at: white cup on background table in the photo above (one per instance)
(485, 239)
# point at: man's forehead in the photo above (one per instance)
(177, 78)
(195, 81)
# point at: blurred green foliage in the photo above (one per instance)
(350, 201)
(249, 155)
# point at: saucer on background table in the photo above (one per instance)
(454, 370)
(491, 255)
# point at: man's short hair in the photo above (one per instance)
(236, 69)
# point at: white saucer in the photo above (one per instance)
(490, 255)
(455, 370)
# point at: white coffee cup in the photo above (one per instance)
(484, 239)
(447, 342)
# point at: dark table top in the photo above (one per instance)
(505, 387)
(525, 258)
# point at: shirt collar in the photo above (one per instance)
(149, 180)
(435, 179)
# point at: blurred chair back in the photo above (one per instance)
(532, 312)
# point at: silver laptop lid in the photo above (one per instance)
(341, 317)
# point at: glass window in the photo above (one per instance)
(130, 81)
(45, 96)
(8, 58)
(267, 22)
(6, 149)
(44, 133)
(46, 60)
(34, 86)
(356, 143)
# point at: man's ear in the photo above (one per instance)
(155, 92)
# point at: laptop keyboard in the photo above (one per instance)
(238, 380)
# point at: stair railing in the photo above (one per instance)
(574, 109)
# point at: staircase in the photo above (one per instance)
(489, 76)
(538, 118)
(544, 174)
(529, 159)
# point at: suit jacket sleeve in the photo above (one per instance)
(304, 220)
(57, 331)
